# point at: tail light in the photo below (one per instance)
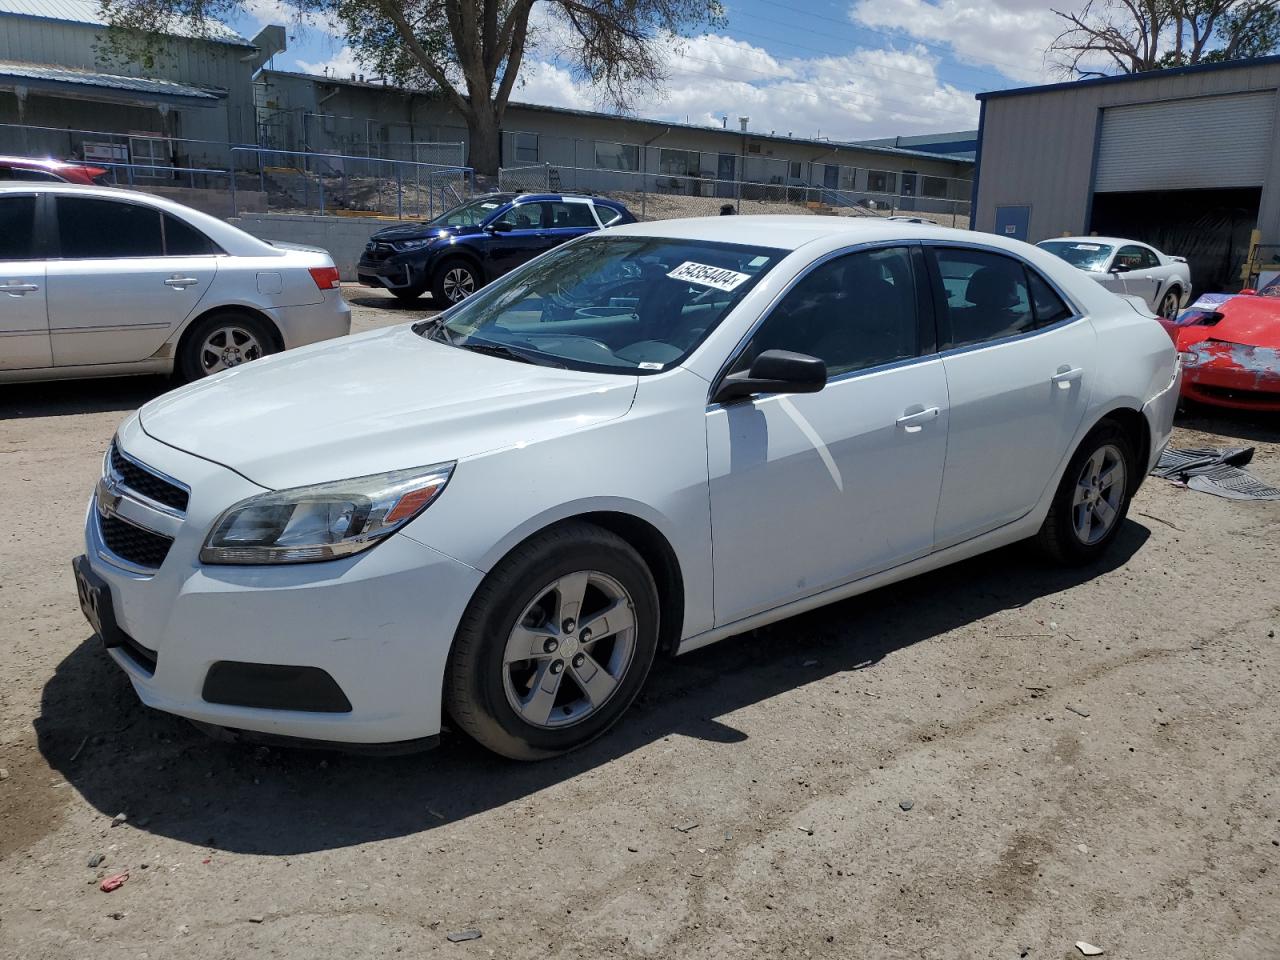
(326, 278)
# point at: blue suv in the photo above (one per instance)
(458, 252)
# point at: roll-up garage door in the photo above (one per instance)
(1186, 144)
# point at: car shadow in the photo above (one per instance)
(1245, 425)
(60, 398)
(388, 302)
(173, 781)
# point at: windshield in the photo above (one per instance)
(619, 304)
(469, 214)
(1079, 253)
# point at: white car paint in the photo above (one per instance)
(1150, 278)
(108, 316)
(771, 505)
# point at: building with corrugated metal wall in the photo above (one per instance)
(57, 72)
(1183, 159)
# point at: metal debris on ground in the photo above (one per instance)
(462, 936)
(1088, 949)
(806, 830)
(1078, 711)
(906, 805)
(687, 826)
(1214, 470)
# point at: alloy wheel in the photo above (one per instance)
(1099, 494)
(570, 649)
(459, 283)
(227, 347)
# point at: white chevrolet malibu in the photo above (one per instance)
(100, 282)
(644, 441)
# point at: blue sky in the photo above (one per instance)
(844, 69)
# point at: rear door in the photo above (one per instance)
(115, 293)
(1019, 365)
(24, 321)
(567, 219)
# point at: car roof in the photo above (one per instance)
(48, 163)
(790, 232)
(553, 197)
(1112, 241)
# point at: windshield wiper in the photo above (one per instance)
(428, 330)
(509, 353)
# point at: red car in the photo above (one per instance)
(1230, 349)
(51, 171)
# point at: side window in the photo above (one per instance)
(1149, 258)
(523, 216)
(183, 240)
(1049, 307)
(607, 215)
(92, 229)
(1131, 257)
(987, 295)
(571, 215)
(17, 228)
(852, 312)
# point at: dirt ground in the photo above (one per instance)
(1086, 755)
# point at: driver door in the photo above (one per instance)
(810, 491)
(526, 238)
(1143, 278)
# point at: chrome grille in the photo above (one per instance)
(138, 478)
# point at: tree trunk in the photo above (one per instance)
(485, 137)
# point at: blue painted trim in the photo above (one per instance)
(1127, 77)
(977, 166)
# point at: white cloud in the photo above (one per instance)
(1009, 35)
(344, 64)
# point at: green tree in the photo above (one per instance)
(1133, 36)
(470, 51)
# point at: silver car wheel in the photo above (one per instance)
(459, 283)
(227, 347)
(1169, 305)
(569, 650)
(1100, 491)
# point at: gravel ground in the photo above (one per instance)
(995, 760)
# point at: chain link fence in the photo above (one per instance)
(651, 196)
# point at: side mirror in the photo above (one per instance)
(775, 371)
(1119, 268)
(500, 227)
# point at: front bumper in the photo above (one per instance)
(1233, 375)
(379, 624)
(395, 272)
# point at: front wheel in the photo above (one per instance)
(1092, 498)
(555, 645)
(453, 281)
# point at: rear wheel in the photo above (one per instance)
(453, 281)
(1092, 498)
(555, 645)
(1169, 303)
(223, 340)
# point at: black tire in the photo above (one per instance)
(1170, 300)
(1059, 538)
(192, 362)
(443, 290)
(474, 692)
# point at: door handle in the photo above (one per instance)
(18, 289)
(181, 282)
(1067, 376)
(914, 422)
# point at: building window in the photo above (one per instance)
(525, 146)
(881, 181)
(793, 169)
(617, 156)
(933, 186)
(679, 163)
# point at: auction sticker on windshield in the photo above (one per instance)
(706, 275)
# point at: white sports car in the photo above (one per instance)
(101, 282)
(643, 441)
(1129, 268)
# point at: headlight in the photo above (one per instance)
(403, 246)
(324, 521)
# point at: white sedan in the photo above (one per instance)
(1129, 268)
(100, 282)
(644, 441)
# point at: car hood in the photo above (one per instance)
(416, 231)
(1249, 320)
(374, 402)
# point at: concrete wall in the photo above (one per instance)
(215, 202)
(343, 237)
(1038, 148)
